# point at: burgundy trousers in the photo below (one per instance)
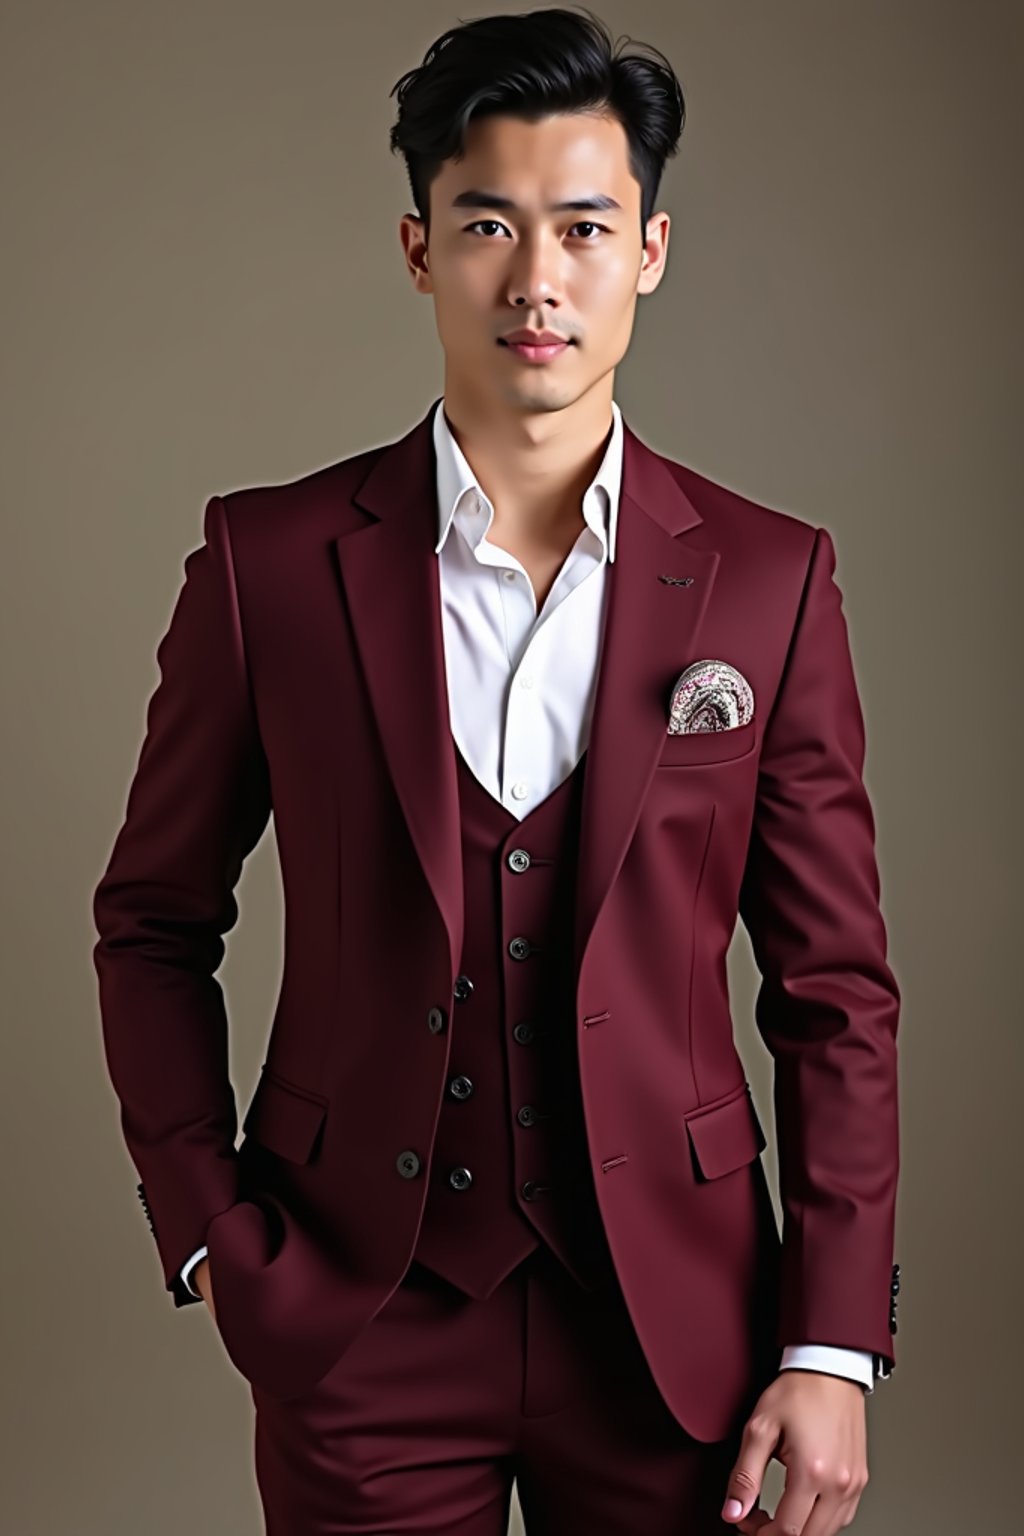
(443, 1400)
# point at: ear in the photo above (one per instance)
(412, 235)
(655, 252)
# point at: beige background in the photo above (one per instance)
(204, 289)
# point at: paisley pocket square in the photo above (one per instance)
(709, 696)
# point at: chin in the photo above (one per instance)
(552, 398)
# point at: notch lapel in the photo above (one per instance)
(392, 586)
(648, 636)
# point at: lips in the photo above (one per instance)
(535, 348)
(534, 338)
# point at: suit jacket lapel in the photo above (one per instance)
(648, 637)
(391, 584)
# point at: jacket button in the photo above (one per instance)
(408, 1164)
(518, 860)
(460, 1087)
(531, 1189)
(527, 1115)
(460, 1178)
(524, 1033)
(435, 1020)
(463, 988)
(519, 948)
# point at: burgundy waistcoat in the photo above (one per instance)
(510, 1167)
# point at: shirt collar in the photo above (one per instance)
(455, 478)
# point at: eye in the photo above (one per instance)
(580, 224)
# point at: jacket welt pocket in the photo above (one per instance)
(692, 748)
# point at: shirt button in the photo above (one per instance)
(519, 789)
(526, 681)
(510, 575)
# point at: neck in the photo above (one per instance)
(534, 467)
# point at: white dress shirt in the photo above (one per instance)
(521, 683)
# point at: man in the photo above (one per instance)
(539, 713)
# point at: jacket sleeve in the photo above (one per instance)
(828, 1004)
(197, 805)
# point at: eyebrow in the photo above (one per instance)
(475, 198)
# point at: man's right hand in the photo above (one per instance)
(201, 1280)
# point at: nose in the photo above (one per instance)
(536, 273)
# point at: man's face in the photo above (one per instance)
(494, 268)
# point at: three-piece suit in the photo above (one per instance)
(503, 1124)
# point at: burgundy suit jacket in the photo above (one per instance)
(302, 673)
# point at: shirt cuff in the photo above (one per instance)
(855, 1364)
(189, 1266)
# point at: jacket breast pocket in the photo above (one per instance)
(725, 1134)
(690, 749)
(285, 1118)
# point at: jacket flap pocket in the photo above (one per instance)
(284, 1117)
(727, 1134)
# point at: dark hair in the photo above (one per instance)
(529, 66)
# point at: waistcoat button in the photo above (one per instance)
(408, 1164)
(518, 860)
(460, 1178)
(435, 1020)
(527, 1115)
(519, 948)
(463, 987)
(461, 1087)
(523, 1034)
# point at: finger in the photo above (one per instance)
(760, 1437)
(793, 1510)
(830, 1516)
(750, 1524)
